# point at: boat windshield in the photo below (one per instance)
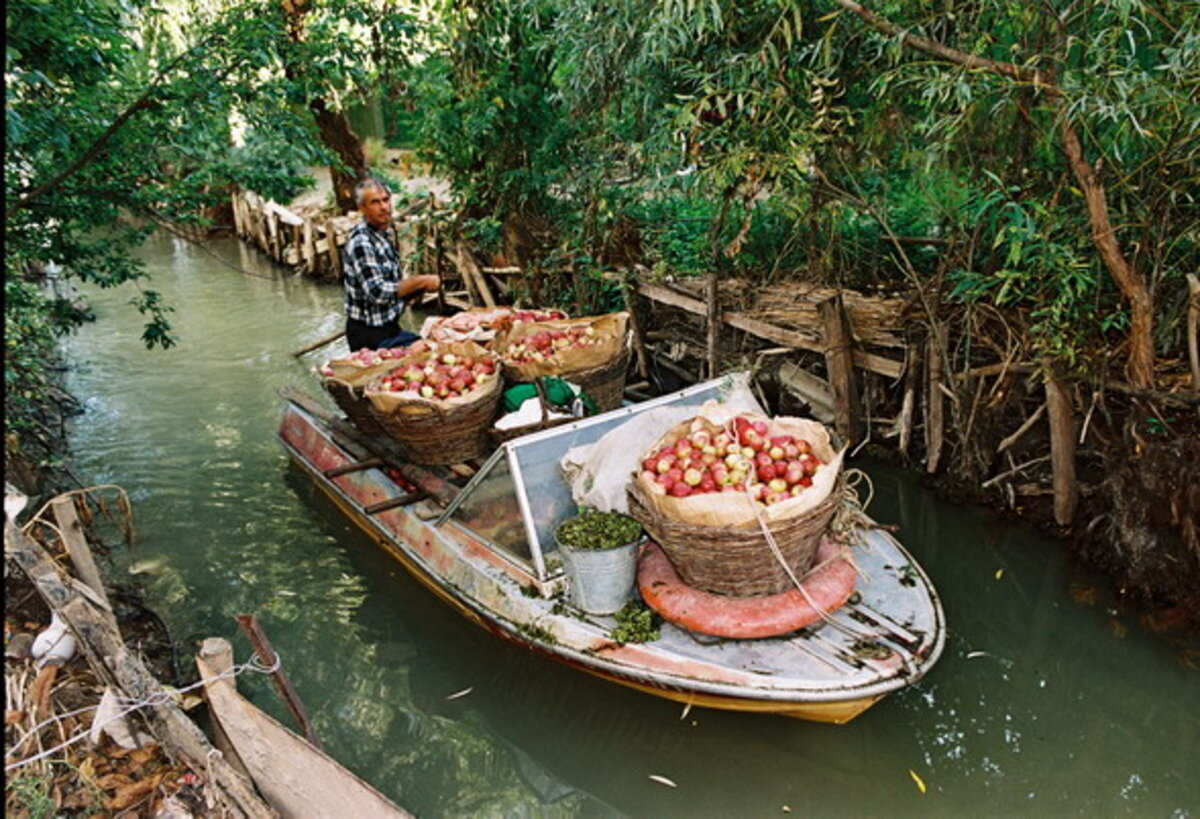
(519, 497)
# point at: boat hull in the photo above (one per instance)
(492, 593)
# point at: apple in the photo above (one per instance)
(680, 490)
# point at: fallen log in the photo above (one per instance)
(122, 669)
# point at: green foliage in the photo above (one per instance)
(636, 623)
(593, 530)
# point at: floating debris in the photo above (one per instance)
(999, 573)
(459, 694)
(920, 782)
(662, 780)
(687, 709)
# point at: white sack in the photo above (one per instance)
(599, 473)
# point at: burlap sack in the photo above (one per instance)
(353, 372)
(478, 324)
(737, 509)
(388, 401)
(611, 331)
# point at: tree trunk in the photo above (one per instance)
(333, 126)
(340, 138)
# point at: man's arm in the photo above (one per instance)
(415, 285)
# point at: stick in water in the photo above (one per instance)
(318, 344)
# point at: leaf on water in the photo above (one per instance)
(999, 573)
(687, 709)
(920, 782)
(462, 693)
(662, 780)
(971, 655)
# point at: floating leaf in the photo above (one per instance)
(999, 573)
(920, 782)
(662, 780)
(462, 693)
(686, 710)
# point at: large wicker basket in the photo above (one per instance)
(738, 561)
(433, 433)
(604, 384)
(355, 405)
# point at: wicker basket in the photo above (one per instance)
(604, 384)
(432, 434)
(354, 404)
(734, 561)
(499, 436)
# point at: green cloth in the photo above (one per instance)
(558, 394)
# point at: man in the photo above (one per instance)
(376, 295)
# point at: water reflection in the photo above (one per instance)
(1037, 708)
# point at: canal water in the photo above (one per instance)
(1048, 701)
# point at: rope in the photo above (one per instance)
(155, 700)
(848, 520)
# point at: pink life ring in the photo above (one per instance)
(746, 617)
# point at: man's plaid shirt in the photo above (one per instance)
(370, 274)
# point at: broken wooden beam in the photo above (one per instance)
(269, 657)
(1062, 450)
(768, 332)
(839, 351)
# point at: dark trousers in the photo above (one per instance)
(360, 335)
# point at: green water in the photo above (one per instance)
(1040, 706)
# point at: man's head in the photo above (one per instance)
(374, 203)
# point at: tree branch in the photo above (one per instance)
(143, 102)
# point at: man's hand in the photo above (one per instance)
(416, 285)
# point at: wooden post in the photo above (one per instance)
(1062, 450)
(335, 259)
(839, 359)
(912, 381)
(639, 339)
(1193, 328)
(269, 657)
(77, 547)
(217, 654)
(712, 317)
(237, 216)
(471, 274)
(935, 404)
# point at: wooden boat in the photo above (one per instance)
(480, 537)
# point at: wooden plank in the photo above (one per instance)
(77, 547)
(297, 778)
(769, 332)
(465, 262)
(269, 657)
(331, 244)
(218, 656)
(839, 346)
(358, 466)
(284, 215)
(712, 324)
(935, 403)
(1062, 451)
(912, 381)
(807, 387)
(392, 503)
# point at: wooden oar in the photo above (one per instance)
(318, 344)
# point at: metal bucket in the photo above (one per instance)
(601, 582)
